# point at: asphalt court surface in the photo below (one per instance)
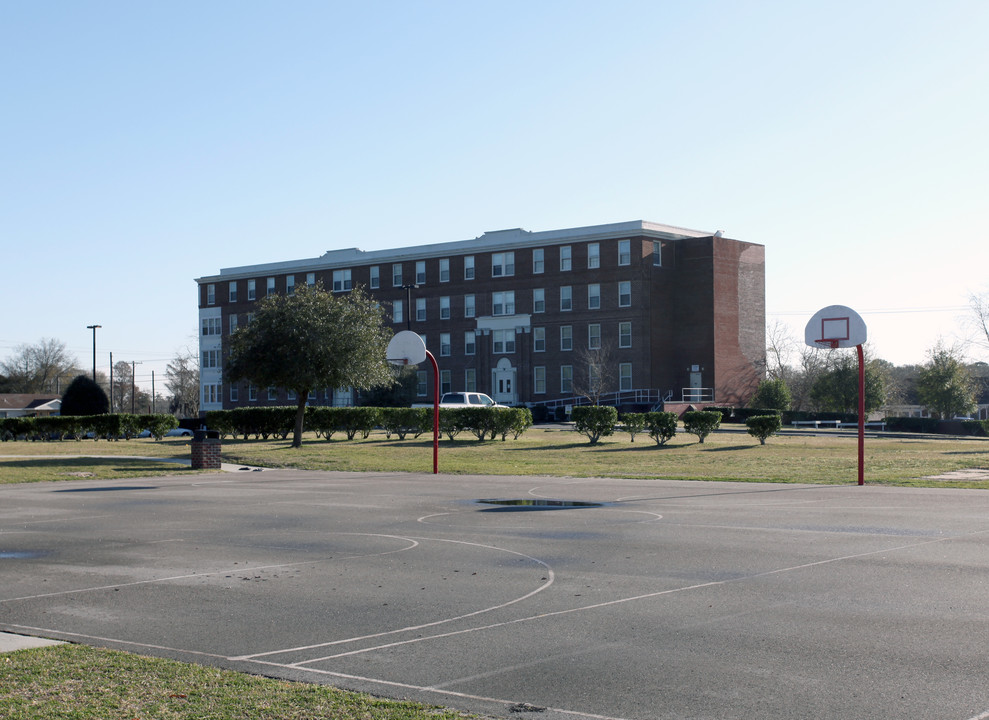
(669, 600)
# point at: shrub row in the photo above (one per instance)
(61, 427)
(266, 422)
(978, 428)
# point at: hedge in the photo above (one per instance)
(61, 427)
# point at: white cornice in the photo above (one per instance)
(491, 241)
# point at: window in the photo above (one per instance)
(232, 292)
(538, 339)
(503, 303)
(290, 284)
(625, 376)
(446, 381)
(250, 318)
(502, 264)
(444, 269)
(469, 306)
(445, 307)
(396, 275)
(375, 277)
(594, 336)
(290, 395)
(311, 395)
(420, 272)
(539, 300)
(272, 393)
(624, 252)
(234, 393)
(468, 267)
(212, 394)
(211, 358)
(310, 279)
(566, 258)
(566, 298)
(538, 261)
(252, 290)
(470, 380)
(422, 385)
(270, 286)
(397, 314)
(211, 294)
(593, 256)
(212, 326)
(504, 341)
(341, 280)
(657, 253)
(469, 342)
(539, 380)
(624, 334)
(233, 323)
(625, 294)
(593, 296)
(420, 309)
(566, 378)
(566, 337)
(252, 392)
(444, 344)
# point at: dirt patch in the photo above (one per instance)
(966, 475)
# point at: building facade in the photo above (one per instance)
(635, 313)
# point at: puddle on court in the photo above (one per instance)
(21, 554)
(537, 504)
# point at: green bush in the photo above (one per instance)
(594, 421)
(661, 426)
(912, 424)
(633, 423)
(701, 423)
(222, 421)
(403, 421)
(764, 426)
(515, 421)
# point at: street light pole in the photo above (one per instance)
(93, 328)
(133, 386)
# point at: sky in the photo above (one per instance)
(143, 145)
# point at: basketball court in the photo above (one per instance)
(637, 599)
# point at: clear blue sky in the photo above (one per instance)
(143, 145)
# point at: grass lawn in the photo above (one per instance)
(806, 457)
(83, 683)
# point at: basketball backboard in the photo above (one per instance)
(406, 348)
(835, 326)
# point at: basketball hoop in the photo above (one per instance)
(828, 342)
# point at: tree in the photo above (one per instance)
(38, 368)
(84, 397)
(780, 347)
(182, 382)
(944, 385)
(312, 339)
(980, 318)
(764, 426)
(837, 388)
(701, 423)
(772, 395)
(596, 374)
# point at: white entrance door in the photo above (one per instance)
(503, 382)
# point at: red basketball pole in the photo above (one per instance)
(861, 415)
(436, 412)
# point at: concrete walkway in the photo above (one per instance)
(10, 642)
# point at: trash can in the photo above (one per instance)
(205, 449)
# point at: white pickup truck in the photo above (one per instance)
(463, 399)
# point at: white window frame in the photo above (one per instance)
(503, 341)
(445, 307)
(269, 286)
(503, 302)
(468, 267)
(566, 298)
(625, 376)
(539, 300)
(252, 290)
(396, 275)
(470, 380)
(470, 342)
(375, 280)
(594, 296)
(444, 270)
(566, 258)
(625, 293)
(538, 339)
(211, 294)
(594, 336)
(342, 280)
(624, 252)
(310, 279)
(446, 381)
(625, 334)
(470, 306)
(290, 284)
(538, 261)
(398, 311)
(445, 347)
(502, 264)
(420, 272)
(566, 379)
(657, 253)
(566, 338)
(420, 309)
(593, 255)
(539, 380)
(232, 291)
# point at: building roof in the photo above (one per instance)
(490, 241)
(29, 401)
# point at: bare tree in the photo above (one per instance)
(44, 367)
(979, 319)
(781, 346)
(182, 382)
(596, 373)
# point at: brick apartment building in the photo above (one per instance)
(678, 315)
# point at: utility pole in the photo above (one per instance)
(93, 328)
(408, 302)
(111, 382)
(152, 392)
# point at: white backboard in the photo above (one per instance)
(406, 348)
(835, 326)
